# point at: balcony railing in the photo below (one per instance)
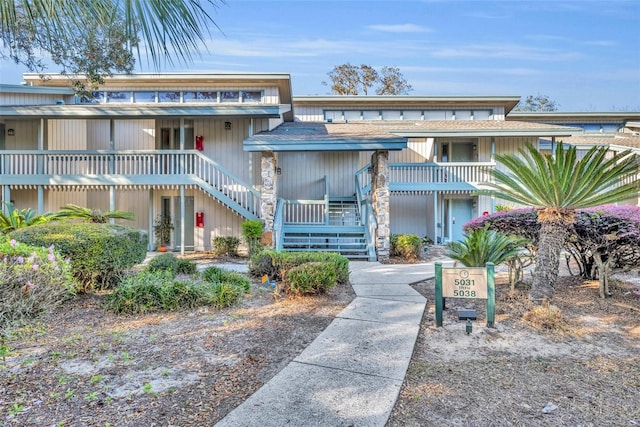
(140, 167)
(429, 176)
(439, 172)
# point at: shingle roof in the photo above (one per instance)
(363, 129)
(626, 140)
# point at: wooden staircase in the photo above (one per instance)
(343, 233)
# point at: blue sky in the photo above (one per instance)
(583, 54)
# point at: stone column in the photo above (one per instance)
(380, 196)
(269, 194)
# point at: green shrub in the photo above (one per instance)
(169, 262)
(99, 253)
(33, 281)
(187, 267)
(225, 295)
(153, 291)
(275, 264)
(252, 232)
(311, 278)
(226, 246)
(407, 246)
(218, 275)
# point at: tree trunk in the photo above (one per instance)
(551, 240)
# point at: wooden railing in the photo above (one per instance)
(366, 214)
(308, 211)
(439, 172)
(147, 166)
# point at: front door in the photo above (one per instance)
(189, 223)
(461, 212)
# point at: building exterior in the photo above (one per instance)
(322, 172)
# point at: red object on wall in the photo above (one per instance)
(200, 219)
(199, 142)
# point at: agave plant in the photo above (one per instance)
(72, 211)
(483, 245)
(12, 219)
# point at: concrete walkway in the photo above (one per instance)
(352, 373)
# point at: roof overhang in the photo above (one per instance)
(563, 116)
(35, 90)
(387, 101)
(265, 144)
(142, 111)
(472, 133)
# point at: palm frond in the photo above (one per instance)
(563, 180)
(482, 245)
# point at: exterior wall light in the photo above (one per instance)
(11, 132)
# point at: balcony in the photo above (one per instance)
(129, 168)
(426, 177)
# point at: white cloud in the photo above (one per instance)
(505, 51)
(604, 43)
(513, 71)
(400, 28)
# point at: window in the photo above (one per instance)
(118, 96)
(169, 96)
(92, 98)
(208, 96)
(252, 96)
(200, 96)
(189, 96)
(144, 97)
(230, 96)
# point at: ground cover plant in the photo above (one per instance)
(275, 264)
(84, 366)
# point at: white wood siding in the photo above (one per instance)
(411, 214)
(225, 146)
(33, 98)
(219, 221)
(55, 199)
(303, 174)
(309, 114)
(98, 134)
(134, 134)
(24, 199)
(25, 137)
(67, 134)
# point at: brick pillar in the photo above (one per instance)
(269, 194)
(380, 201)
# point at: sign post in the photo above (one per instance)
(468, 282)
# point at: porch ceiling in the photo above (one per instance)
(308, 136)
(142, 111)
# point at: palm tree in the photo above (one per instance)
(482, 245)
(556, 186)
(167, 27)
(72, 211)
